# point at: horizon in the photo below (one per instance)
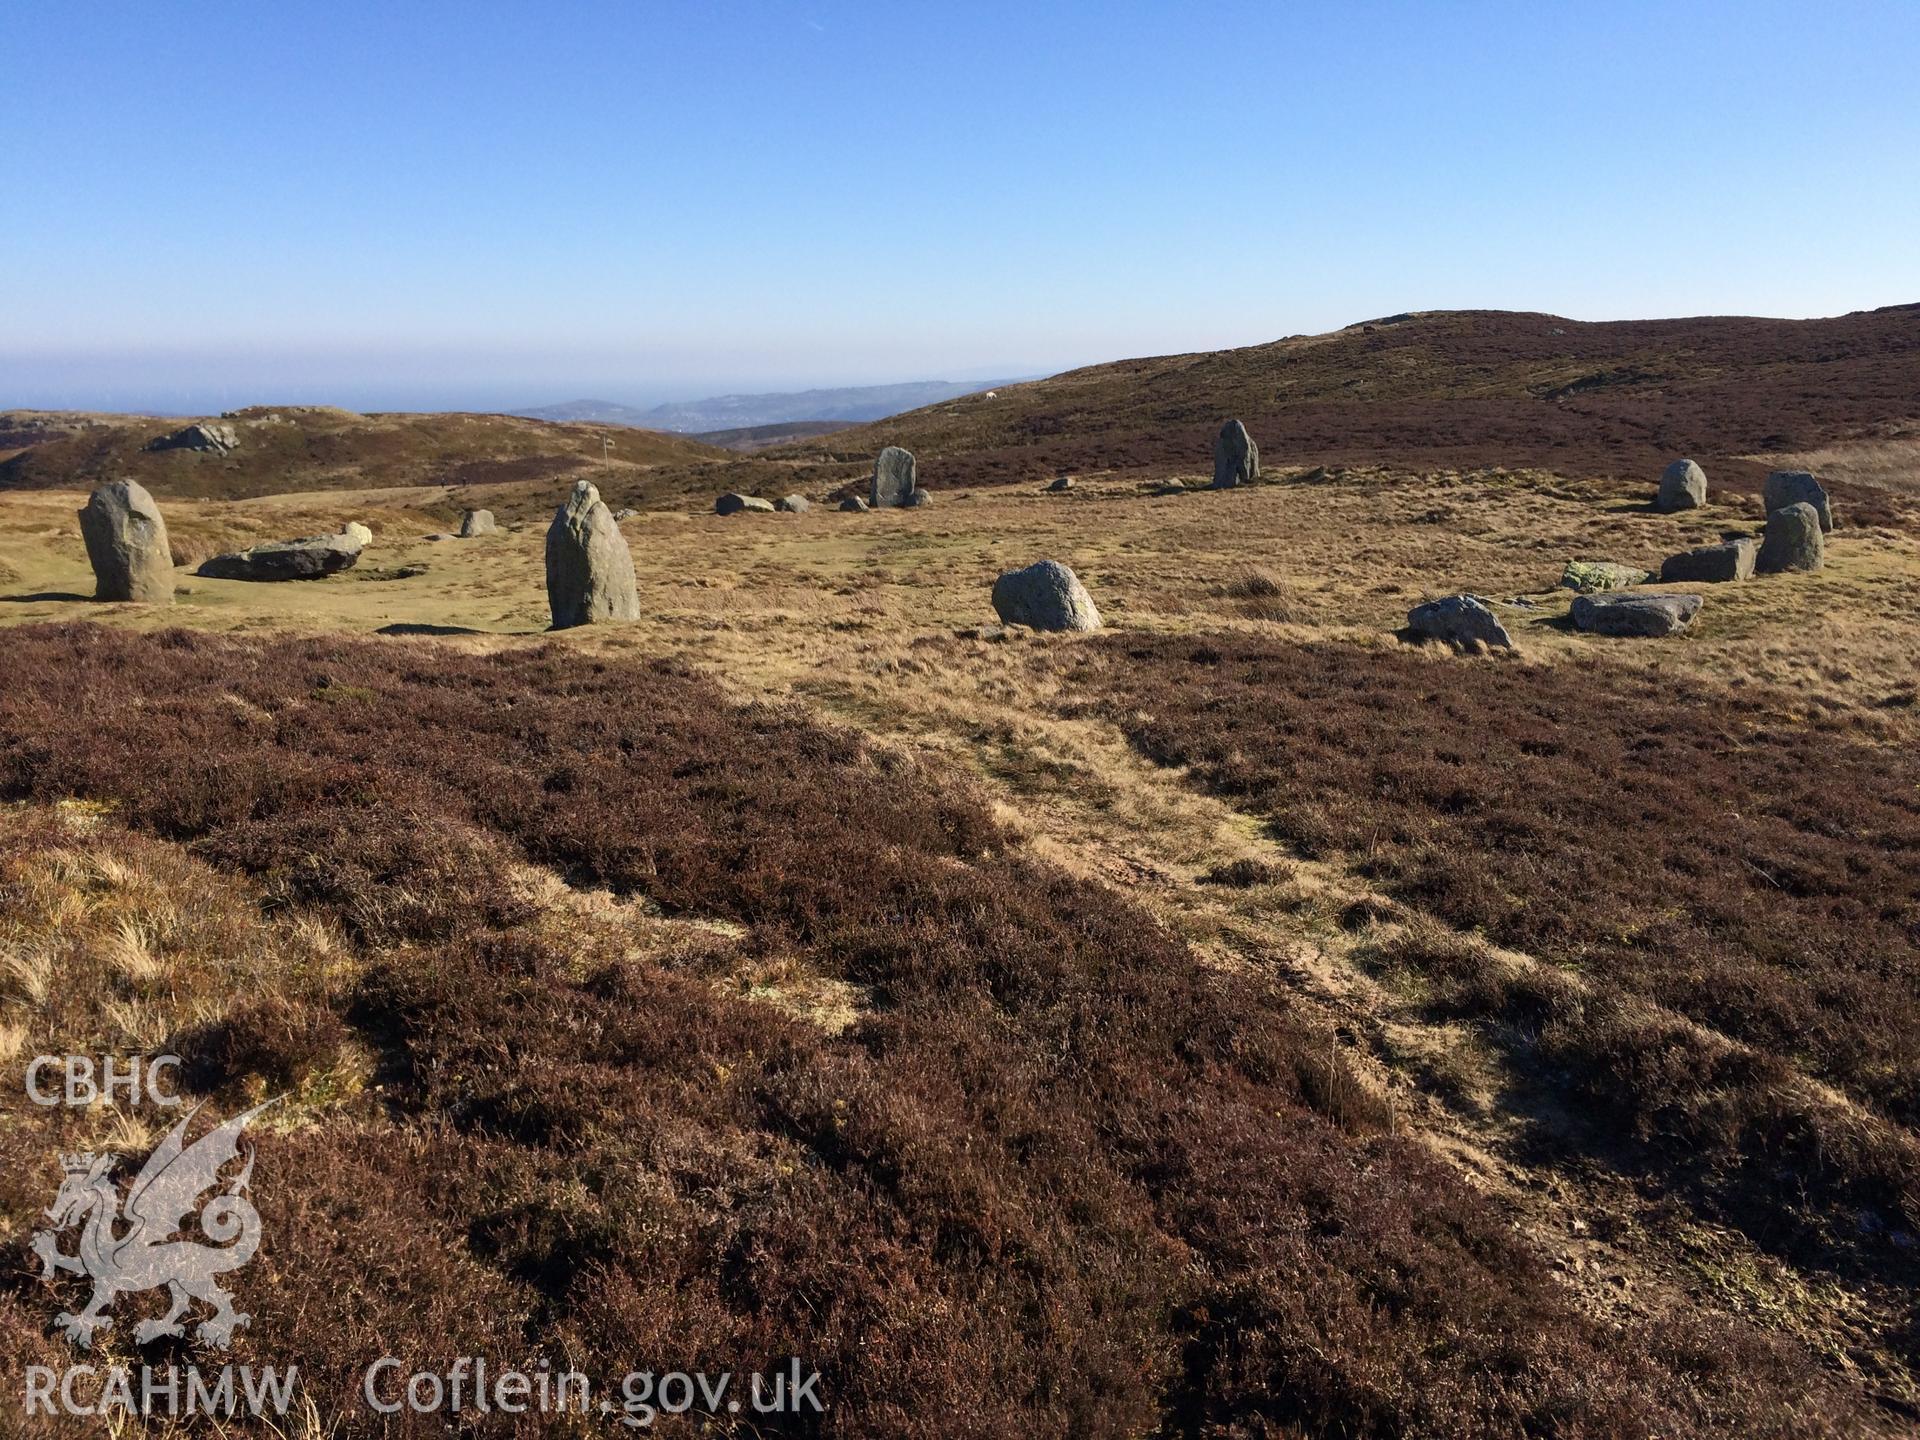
(376, 210)
(237, 398)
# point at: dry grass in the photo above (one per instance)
(1891, 463)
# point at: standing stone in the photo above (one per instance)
(1236, 459)
(1046, 596)
(127, 543)
(1794, 541)
(1459, 620)
(1647, 616)
(1794, 487)
(476, 522)
(1730, 561)
(894, 478)
(1683, 486)
(589, 568)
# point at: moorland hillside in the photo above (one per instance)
(1456, 390)
(296, 448)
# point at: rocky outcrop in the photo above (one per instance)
(1236, 459)
(895, 477)
(312, 558)
(1045, 596)
(589, 568)
(208, 438)
(1795, 540)
(127, 545)
(1459, 620)
(1682, 487)
(1648, 616)
(1732, 560)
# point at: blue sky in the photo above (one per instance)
(480, 204)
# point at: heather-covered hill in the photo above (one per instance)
(1461, 389)
(313, 447)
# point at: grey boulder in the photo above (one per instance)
(1637, 615)
(1236, 459)
(476, 522)
(1064, 482)
(854, 505)
(793, 505)
(1683, 486)
(1795, 540)
(1732, 560)
(127, 545)
(355, 531)
(916, 498)
(894, 478)
(311, 558)
(1044, 596)
(1458, 620)
(1797, 487)
(207, 438)
(732, 503)
(589, 568)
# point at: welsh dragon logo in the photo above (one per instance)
(149, 1252)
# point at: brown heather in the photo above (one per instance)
(1056, 1179)
(1725, 896)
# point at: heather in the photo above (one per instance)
(490, 915)
(1722, 895)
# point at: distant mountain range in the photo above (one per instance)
(849, 405)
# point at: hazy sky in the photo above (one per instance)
(482, 204)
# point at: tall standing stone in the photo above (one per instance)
(127, 544)
(589, 568)
(894, 477)
(1795, 487)
(1236, 459)
(1794, 541)
(1683, 486)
